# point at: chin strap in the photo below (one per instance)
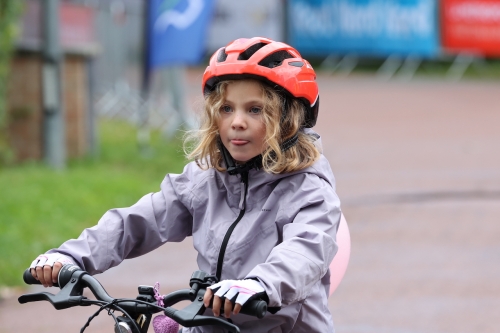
(254, 163)
(235, 169)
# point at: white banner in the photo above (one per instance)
(244, 19)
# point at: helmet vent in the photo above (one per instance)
(245, 55)
(221, 57)
(275, 59)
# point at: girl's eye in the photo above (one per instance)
(226, 108)
(255, 110)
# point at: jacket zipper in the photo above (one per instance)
(225, 241)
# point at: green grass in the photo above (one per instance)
(40, 208)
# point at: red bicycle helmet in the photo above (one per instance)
(264, 59)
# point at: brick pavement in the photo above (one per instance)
(418, 172)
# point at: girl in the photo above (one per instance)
(259, 198)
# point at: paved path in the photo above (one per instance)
(418, 171)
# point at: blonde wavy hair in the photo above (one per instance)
(202, 145)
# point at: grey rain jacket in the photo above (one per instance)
(286, 238)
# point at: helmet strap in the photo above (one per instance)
(228, 159)
(254, 163)
(290, 142)
(235, 169)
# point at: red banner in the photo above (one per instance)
(76, 24)
(76, 27)
(471, 26)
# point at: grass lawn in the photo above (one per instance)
(40, 208)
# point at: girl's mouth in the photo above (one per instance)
(239, 142)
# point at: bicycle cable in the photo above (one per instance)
(114, 305)
(109, 306)
(112, 314)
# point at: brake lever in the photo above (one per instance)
(186, 318)
(191, 315)
(43, 296)
(69, 296)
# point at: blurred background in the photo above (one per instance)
(96, 95)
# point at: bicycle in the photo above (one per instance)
(137, 313)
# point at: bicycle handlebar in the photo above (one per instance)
(72, 280)
(29, 279)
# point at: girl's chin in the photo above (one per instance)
(241, 162)
(242, 159)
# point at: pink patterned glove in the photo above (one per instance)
(243, 290)
(50, 259)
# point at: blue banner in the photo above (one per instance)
(364, 27)
(178, 31)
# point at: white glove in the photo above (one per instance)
(245, 289)
(51, 258)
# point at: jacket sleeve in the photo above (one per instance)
(309, 242)
(124, 233)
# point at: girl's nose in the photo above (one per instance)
(238, 120)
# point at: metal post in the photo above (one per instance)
(143, 134)
(92, 134)
(176, 86)
(286, 21)
(54, 142)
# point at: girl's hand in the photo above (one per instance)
(45, 268)
(241, 290)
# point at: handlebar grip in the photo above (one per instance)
(28, 278)
(256, 308)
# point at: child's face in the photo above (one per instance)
(241, 125)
